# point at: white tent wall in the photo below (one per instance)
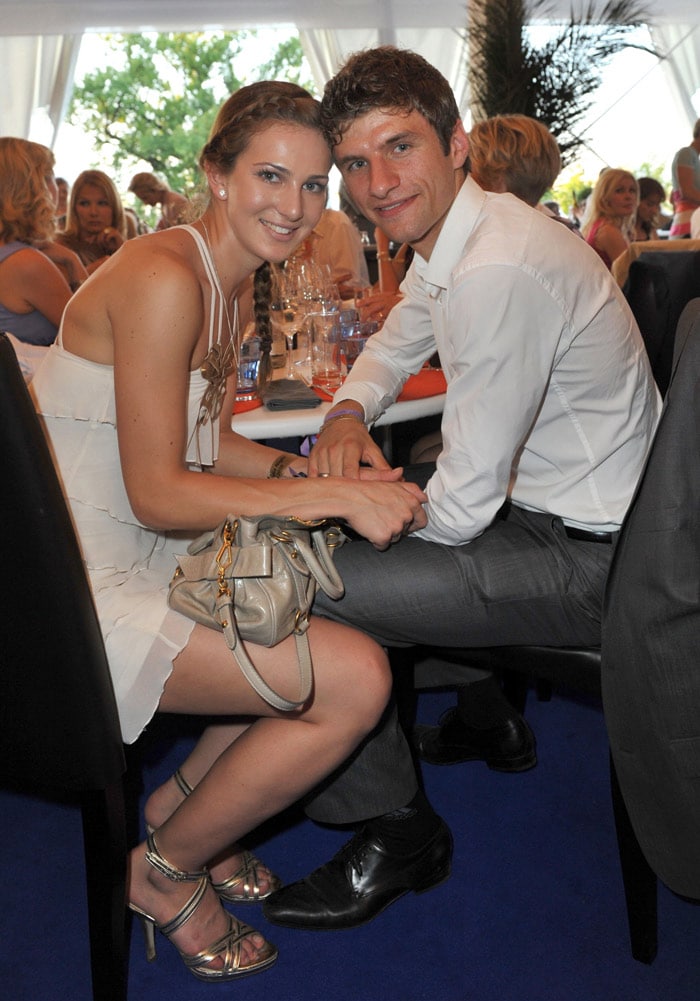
(37, 73)
(38, 68)
(681, 44)
(445, 48)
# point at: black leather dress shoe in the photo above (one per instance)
(507, 746)
(359, 882)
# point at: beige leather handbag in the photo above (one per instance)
(255, 579)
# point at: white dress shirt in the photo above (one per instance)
(550, 398)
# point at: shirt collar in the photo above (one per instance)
(456, 229)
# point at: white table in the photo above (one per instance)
(262, 423)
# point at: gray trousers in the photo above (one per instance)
(522, 582)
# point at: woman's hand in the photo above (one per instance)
(110, 240)
(383, 512)
(378, 305)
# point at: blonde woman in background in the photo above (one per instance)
(96, 225)
(33, 289)
(608, 225)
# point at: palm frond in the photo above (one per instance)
(556, 81)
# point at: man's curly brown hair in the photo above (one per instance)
(388, 78)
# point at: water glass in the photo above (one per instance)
(354, 340)
(326, 362)
(249, 370)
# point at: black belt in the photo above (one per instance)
(583, 535)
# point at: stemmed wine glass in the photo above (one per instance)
(286, 311)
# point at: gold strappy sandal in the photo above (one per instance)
(243, 887)
(228, 948)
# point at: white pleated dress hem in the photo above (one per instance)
(129, 565)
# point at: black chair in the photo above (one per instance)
(579, 668)
(658, 287)
(59, 730)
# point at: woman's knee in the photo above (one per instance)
(369, 685)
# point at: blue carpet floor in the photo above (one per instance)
(533, 910)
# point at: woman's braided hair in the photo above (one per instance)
(249, 111)
(262, 284)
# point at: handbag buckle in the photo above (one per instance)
(301, 621)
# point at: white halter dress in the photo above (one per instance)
(129, 565)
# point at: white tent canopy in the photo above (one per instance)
(39, 67)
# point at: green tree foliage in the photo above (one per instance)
(573, 191)
(288, 63)
(157, 99)
(555, 81)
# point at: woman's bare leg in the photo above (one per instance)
(264, 769)
(164, 800)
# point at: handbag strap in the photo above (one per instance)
(319, 559)
(227, 619)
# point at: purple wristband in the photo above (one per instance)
(347, 412)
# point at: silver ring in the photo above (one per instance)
(324, 475)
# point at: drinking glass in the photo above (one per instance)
(324, 336)
(354, 336)
(248, 383)
(286, 312)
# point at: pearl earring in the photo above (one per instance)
(222, 192)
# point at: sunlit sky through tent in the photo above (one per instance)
(633, 121)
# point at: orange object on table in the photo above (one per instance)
(428, 382)
(241, 406)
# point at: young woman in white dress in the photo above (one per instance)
(136, 395)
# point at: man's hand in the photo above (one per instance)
(343, 444)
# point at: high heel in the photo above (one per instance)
(228, 948)
(243, 886)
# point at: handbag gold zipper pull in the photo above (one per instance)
(224, 557)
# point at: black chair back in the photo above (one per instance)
(658, 287)
(59, 729)
(651, 632)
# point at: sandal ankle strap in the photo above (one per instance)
(182, 783)
(165, 868)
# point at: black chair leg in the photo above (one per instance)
(544, 690)
(402, 660)
(639, 880)
(515, 687)
(104, 836)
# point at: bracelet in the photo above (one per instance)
(279, 465)
(347, 411)
(335, 420)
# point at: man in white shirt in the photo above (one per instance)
(549, 414)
